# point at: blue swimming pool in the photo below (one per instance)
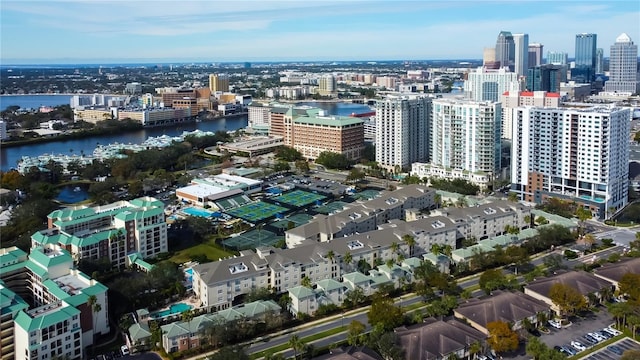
(172, 310)
(197, 212)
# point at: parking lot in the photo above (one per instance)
(578, 328)
(612, 352)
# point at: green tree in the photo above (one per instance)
(410, 241)
(583, 215)
(354, 297)
(306, 282)
(355, 175)
(567, 299)
(630, 285)
(333, 160)
(296, 345)
(501, 337)
(288, 154)
(384, 313)
(95, 307)
(492, 279)
(354, 333)
(281, 166)
(302, 166)
(347, 258)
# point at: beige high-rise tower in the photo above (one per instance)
(218, 82)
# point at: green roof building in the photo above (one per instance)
(55, 320)
(115, 231)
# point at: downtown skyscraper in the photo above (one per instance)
(535, 54)
(585, 61)
(521, 54)
(505, 49)
(623, 66)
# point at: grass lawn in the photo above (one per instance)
(212, 252)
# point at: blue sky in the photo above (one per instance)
(238, 30)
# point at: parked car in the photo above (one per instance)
(612, 331)
(597, 336)
(590, 339)
(615, 349)
(578, 346)
(604, 334)
(569, 349)
(124, 350)
(555, 324)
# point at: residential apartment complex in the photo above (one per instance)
(487, 85)
(45, 311)
(311, 131)
(578, 154)
(218, 82)
(514, 99)
(217, 284)
(466, 135)
(111, 231)
(402, 130)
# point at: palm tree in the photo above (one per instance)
(95, 308)
(394, 247)
(410, 241)
(348, 258)
(296, 345)
(435, 249)
(306, 282)
(474, 348)
(331, 255)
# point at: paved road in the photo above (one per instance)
(621, 236)
(362, 317)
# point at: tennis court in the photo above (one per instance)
(252, 239)
(331, 207)
(257, 211)
(299, 198)
(297, 220)
(367, 195)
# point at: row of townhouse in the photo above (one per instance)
(363, 217)
(111, 231)
(45, 305)
(218, 283)
(185, 335)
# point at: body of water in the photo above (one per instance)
(9, 157)
(71, 194)
(33, 101)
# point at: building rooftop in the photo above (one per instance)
(586, 283)
(505, 306)
(434, 339)
(615, 271)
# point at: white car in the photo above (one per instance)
(597, 336)
(578, 346)
(612, 331)
(124, 350)
(555, 324)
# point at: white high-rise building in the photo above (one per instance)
(576, 154)
(487, 85)
(465, 135)
(521, 59)
(402, 130)
(514, 99)
(3, 130)
(623, 66)
(259, 116)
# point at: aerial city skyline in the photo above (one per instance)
(61, 32)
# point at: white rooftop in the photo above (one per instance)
(623, 38)
(201, 190)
